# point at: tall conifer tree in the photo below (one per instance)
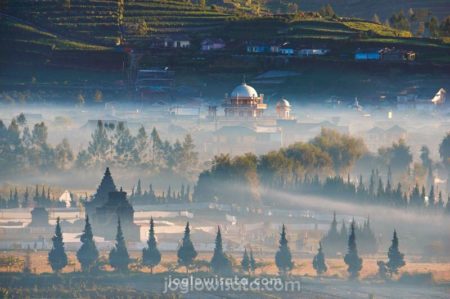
(283, 258)
(87, 255)
(395, 257)
(57, 256)
(151, 256)
(353, 261)
(118, 256)
(319, 261)
(220, 263)
(186, 253)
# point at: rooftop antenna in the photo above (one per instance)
(243, 80)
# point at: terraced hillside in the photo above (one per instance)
(28, 43)
(97, 21)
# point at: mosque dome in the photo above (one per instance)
(283, 103)
(244, 91)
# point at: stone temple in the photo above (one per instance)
(107, 206)
(117, 207)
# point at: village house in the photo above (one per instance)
(392, 54)
(386, 54)
(212, 44)
(287, 49)
(257, 48)
(368, 54)
(177, 41)
(312, 52)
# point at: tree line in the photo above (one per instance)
(220, 263)
(41, 198)
(25, 150)
(319, 167)
(335, 241)
(140, 196)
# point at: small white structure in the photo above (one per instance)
(66, 198)
(440, 97)
(283, 109)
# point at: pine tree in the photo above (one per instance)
(57, 256)
(87, 255)
(431, 198)
(283, 258)
(186, 253)
(422, 197)
(26, 197)
(245, 262)
(353, 261)
(27, 261)
(415, 199)
(151, 255)
(395, 257)
(440, 202)
(118, 256)
(139, 188)
(220, 263)
(252, 262)
(319, 261)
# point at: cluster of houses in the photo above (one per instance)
(285, 48)
(183, 41)
(385, 54)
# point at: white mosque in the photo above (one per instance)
(245, 102)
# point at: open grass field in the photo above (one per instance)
(336, 267)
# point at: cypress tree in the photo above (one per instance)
(87, 255)
(353, 261)
(245, 262)
(118, 256)
(319, 261)
(395, 257)
(220, 263)
(283, 258)
(57, 256)
(252, 262)
(151, 255)
(186, 253)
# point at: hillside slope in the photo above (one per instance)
(383, 8)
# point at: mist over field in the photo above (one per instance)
(224, 149)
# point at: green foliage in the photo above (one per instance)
(283, 258)
(399, 21)
(245, 262)
(87, 255)
(119, 258)
(398, 156)
(186, 253)
(57, 256)
(343, 149)
(151, 256)
(220, 263)
(433, 27)
(319, 261)
(353, 261)
(395, 256)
